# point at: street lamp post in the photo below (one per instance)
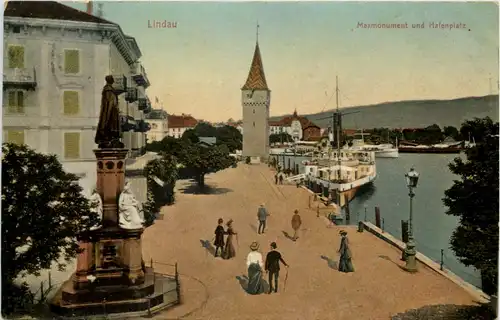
(410, 252)
(366, 207)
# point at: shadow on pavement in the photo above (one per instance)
(331, 263)
(287, 235)
(243, 280)
(390, 260)
(254, 227)
(208, 246)
(207, 190)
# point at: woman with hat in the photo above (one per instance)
(345, 262)
(255, 266)
(229, 251)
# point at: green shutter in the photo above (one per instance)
(71, 103)
(20, 102)
(15, 102)
(15, 136)
(16, 56)
(72, 145)
(71, 61)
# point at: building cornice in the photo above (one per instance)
(107, 30)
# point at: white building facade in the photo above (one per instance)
(53, 76)
(158, 120)
(177, 125)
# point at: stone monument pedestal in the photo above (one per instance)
(110, 275)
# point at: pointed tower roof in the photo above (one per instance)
(256, 78)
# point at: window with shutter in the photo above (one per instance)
(71, 103)
(15, 102)
(71, 61)
(16, 57)
(71, 145)
(15, 136)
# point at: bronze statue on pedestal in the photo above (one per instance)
(108, 129)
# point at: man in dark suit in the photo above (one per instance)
(273, 259)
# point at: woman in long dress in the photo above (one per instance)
(255, 266)
(345, 262)
(229, 251)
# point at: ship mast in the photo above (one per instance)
(338, 123)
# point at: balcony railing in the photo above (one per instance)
(120, 84)
(139, 75)
(142, 103)
(131, 95)
(128, 123)
(19, 78)
(142, 126)
(149, 107)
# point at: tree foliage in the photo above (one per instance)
(450, 131)
(166, 170)
(43, 210)
(190, 136)
(280, 137)
(474, 199)
(231, 137)
(203, 160)
(168, 145)
(478, 129)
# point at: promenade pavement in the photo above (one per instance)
(211, 290)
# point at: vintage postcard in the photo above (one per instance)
(250, 160)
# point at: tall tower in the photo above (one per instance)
(255, 100)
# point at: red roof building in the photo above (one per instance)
(307, 128)
(177, 125)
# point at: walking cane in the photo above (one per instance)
(286, 278)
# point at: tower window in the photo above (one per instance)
(254, 123)
(253, 110)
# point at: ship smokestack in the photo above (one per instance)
(90, 7)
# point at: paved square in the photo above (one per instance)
(210, 288)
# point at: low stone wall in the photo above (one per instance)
(479, 295)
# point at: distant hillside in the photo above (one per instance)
(413, 114)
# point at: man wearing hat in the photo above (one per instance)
(273, 259)
(296, 223)
(262, 215)
(255, 266)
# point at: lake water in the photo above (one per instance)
(432, 228)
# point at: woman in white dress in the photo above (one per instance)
(130, 216)
(255, 266)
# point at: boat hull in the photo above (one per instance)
(387, 153)
(430, 150)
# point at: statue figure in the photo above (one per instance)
(345, 261)
(96, 202)
(130, 214)
(108, 128)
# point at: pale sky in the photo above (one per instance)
(200, 66)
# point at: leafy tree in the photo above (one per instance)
(43, 210)
(166, 170)
(204, 129)
(474, 199)
(478, 128)
(280, 137)
(168, 145)
(203, 160)
(191, 136)
(450, 131)
(150, 208)
(231, 137)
